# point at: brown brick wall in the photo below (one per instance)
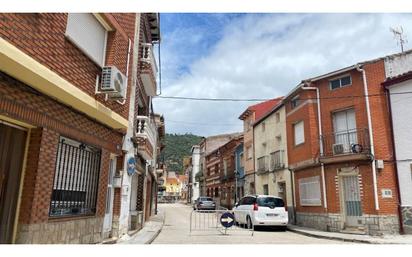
(335, 100)
(41, 36)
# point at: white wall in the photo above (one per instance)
(396, 65)
(195, 170)
(402, 127)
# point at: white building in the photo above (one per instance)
(195, 187)
(399, 85)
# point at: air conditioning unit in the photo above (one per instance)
(338, 149)
(113, 83)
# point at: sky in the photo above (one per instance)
(221, 55)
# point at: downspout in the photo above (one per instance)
(398, 190)
(368, 112)
(322, 167)
(292, 180)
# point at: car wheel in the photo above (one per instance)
(249, 224)
(283, 228)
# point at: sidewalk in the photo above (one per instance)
(148, 233)
(387, 239)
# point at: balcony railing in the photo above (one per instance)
(149, 74)
(146, 134)
(277, 161)
(348, 142)
(262, 165)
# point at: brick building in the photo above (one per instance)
(220, 172)
(63, 121)
(249, 116)
(341, 152)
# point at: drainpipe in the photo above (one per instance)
(368, 112)
(292, 180)
(322, 167)
(398, 190)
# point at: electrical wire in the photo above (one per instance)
(267, 99)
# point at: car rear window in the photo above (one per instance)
(270, 202)
(206, 199)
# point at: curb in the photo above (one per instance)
(157, 232)
(331, 237)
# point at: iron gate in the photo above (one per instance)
(206, 222)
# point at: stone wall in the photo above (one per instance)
(381, 224)
(247, 189)
(373, 224)
(78, 231)
(407, 219)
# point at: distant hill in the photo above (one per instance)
(178, 146)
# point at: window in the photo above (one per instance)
(299, 132)
(225, 167)
(270, 202)
(340, 82)
(216, 169)
(344, 125)
(309, 191)
(277, 117)
(242, 161)
(295, 102)
(249, 152)
(265, 189)
(76, 179)
(88, 34)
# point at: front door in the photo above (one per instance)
(351, 201)
(12, 145)
(108, 217)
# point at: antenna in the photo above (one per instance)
(399, 36)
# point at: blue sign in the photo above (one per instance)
(227, 219)
(131, 166)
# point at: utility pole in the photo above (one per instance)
(399, 36)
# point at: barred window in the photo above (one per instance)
(75, 180)
(309, 191)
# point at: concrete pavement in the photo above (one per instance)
(387, 239)
(148, 233)
(177, 225)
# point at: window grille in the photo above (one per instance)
(76, 179)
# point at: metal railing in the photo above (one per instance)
(262, 164)
(208, 222)
(146, 128)
(277, 161)
(354, 141)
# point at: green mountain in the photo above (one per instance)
(176, 147)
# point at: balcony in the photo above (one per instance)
(262, 165)
(230, 176)
(277, 160)
(343, 146)
(148, 72)
(145, 137)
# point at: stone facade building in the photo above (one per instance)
(249, 116)
(63, 122)
(271, 162)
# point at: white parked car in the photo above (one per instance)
(261, 210)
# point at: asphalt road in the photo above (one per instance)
(176, 230)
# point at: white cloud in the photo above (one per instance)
(265, 56)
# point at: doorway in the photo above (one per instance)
(12, 146)
(351, 201)
(108, 216)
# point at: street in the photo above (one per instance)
(177, 226)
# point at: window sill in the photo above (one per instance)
(69, 218)
(298, 145)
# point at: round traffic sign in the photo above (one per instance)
(227, 219)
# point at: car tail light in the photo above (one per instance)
(255, 207)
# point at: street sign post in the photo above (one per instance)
(227, 219)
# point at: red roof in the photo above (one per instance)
(261, 109)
